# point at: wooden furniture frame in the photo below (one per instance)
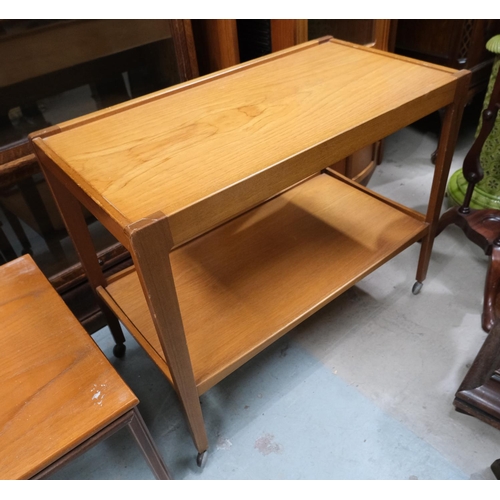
(479, 392)
(218, 189)
(60, 395)
(481, 226)
(216, 43)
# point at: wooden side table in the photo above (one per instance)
(60, 396)
(218, 189)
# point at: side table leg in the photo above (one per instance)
(141, 434)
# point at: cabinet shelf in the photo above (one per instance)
(246, 283)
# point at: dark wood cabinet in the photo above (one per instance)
(56, 70)
(479, 392)
(456, 43)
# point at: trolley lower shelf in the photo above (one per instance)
(248, 282)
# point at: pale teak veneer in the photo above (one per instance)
(215, 187)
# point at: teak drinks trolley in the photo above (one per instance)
(221, 191)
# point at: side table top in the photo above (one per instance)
(202, 153)
(57, 389)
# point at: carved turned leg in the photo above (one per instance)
(449, 217)
(482, 227)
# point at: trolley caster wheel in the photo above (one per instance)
(201, 459)
(417, 287)
(495, 468)
(119, 350)
(434, 157)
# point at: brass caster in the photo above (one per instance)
(417, 287)
(201, 459)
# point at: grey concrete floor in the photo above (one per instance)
(361, 390)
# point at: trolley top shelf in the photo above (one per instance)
(205, 151)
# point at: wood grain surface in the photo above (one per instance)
(57, 389)
(206, 154)
(250, 281)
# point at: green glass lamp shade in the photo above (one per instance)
(493, 44)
